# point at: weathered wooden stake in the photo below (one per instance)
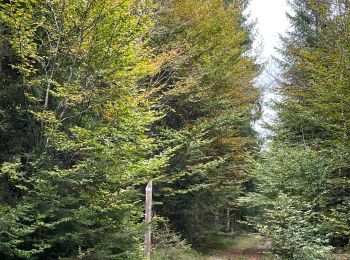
(148, 218)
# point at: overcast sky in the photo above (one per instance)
(271, 21)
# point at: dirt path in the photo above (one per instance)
(255, 253)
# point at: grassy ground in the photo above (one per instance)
(228, 246)
(243, 241)
(225, 245)
(175, 254)
(241, 247)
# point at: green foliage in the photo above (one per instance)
(76, 118)
(316, 91)
(303, 186)
(292, 194)
(83, 88)
(205, 85)
(170, 245)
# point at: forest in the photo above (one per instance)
(98, 97)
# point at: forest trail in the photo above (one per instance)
(249, 247)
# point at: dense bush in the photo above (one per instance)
(292, 195)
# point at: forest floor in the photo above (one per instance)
(244, 247)
(232, 247)
(251, 247)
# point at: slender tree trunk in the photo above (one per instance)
(228, 221)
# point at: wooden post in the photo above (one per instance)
(228, 221)
(148, 218)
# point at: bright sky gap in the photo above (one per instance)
(271, 22)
